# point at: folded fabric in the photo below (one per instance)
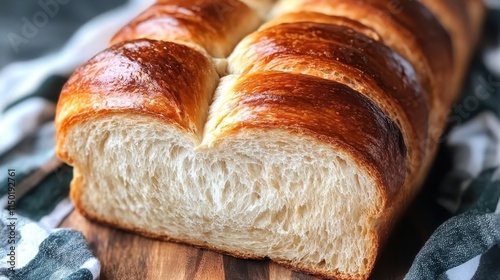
(39, 254)
(28, 93)
(468, 245)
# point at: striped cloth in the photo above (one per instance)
(467, 246)
(30, 245)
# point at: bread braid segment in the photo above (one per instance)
(341, 54)
(405, 26)
(213, 27)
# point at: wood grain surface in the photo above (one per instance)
(125, 255)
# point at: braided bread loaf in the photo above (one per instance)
(296, 130)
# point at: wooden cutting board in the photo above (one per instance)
(125, 255)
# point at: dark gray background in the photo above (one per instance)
(52, 35)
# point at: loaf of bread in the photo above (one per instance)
(297, 131)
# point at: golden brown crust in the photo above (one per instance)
(356, 60)
(476, 10)
(215, 26)
(144, 76)
(327, 110)
(454, 17)
(262, 7)
(323, 18)
(408, 28)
